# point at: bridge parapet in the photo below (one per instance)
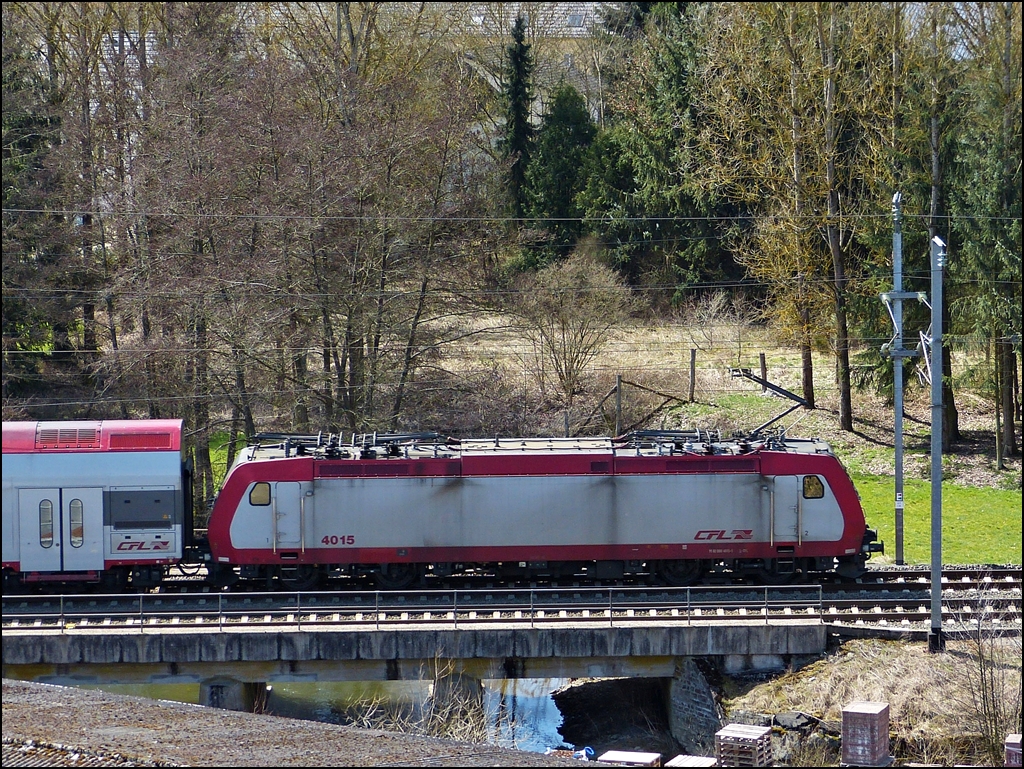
(498, 652)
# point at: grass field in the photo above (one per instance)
(979, 525)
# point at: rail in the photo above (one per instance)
(377, 609)
(883, 598)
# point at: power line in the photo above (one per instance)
(491, 219)
(276, 293)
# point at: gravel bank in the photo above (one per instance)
(47, 725)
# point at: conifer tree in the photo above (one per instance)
(517, 144)
(555, 176)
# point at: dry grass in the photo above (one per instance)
(453, 711)
(927, 694)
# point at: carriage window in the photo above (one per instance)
(813, 487)
(46, 523)
(260, 494)
(77, 523)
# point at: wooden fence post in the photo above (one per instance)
(618, 404)
(693, 370)
(764, 373)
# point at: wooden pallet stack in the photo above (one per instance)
(866, 734)
(743, 745)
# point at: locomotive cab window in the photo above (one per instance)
(260, 495)
(813, 487)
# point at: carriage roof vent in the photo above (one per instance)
(48, 437)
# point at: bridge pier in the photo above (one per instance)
(694, 714)
(232, 694)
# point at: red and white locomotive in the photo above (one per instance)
(109, 502)
(672, 504)
(100, 501)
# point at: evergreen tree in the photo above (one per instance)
(644, 186)
(985, 200)
(517, 144)
(555, 174)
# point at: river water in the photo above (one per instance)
(517, 713)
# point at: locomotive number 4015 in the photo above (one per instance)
(334, 539)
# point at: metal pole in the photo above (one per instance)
(938, 257)
(894, 349)
(897, 368)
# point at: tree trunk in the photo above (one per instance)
(408, 356)
(354, 351)
(150, 367)
(796, 133)
(201, 411)
(1008, 364)
(236, 420)
(835, 245)
(950, 419)
(241, 388)
(807, 373)
(300, 420)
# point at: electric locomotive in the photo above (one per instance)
(674, 505)
(94, 502)
(108, 503)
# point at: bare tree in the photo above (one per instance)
(568, 311)
(987, 669)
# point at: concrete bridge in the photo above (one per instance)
(231, 664)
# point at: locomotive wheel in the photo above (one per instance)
(769, 574)
(680, 573)
(302, 577)
(396, 576)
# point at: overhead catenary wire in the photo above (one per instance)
(493, 218)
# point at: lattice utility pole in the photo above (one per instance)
(895, 350)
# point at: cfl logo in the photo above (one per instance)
(155, 546)
(705, 535)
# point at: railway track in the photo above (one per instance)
(953, 578)
(902, 578)
(898, 598)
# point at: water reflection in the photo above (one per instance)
(518, 713)
(523, 714)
